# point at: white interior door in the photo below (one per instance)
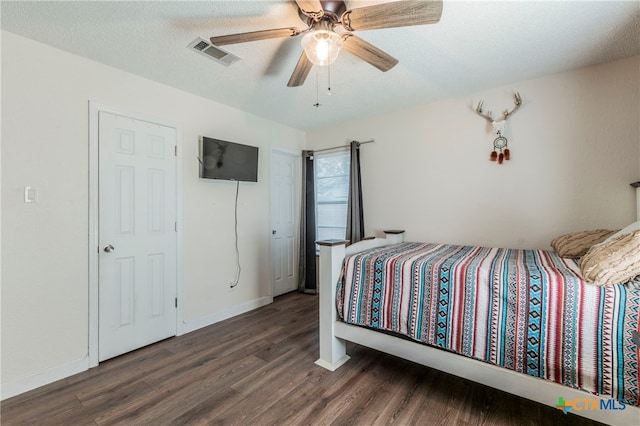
(137, 234)
(284, 222)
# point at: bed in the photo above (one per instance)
(501, 317)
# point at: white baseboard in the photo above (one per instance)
(195, 324)
(42, 378)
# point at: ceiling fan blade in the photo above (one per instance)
(368, 52)
(254, 36)
(301, 71)
(393, 14)
(312, 8)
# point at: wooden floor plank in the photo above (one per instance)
(214, 390)
(32, 409)
(286, 407)
(86, 413)
(202, 362)
(258, 368)
(220, 400)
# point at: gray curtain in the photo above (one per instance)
(355, 219)
(307, 265)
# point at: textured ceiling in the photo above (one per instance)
(476, 45)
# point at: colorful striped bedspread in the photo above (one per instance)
(525, 310)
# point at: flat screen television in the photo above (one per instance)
(228, 160)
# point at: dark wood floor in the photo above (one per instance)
(258, 368)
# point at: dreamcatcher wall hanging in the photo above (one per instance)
(500, 151)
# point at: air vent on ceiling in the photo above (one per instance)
(213, 52)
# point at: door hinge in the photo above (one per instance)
(175, 227)
(176, 302)
(175, 150)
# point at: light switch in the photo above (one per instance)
(30, 194)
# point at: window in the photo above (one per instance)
(332, 194)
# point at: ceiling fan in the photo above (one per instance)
(322, 43)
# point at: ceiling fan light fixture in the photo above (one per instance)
(322, 46)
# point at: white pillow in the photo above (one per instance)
(629, 229)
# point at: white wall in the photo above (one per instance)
(45, 94)
(575, 145)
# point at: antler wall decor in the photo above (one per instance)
(499, 143)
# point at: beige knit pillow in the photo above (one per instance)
(613, 262)
(577, 244)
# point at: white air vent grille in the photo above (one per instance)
(213, 52)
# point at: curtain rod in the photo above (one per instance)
(342, 146)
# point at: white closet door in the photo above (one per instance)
(137, 234)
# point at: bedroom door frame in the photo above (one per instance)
(93, 231)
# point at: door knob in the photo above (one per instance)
(109, 248)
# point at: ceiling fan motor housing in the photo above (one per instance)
(333, 10)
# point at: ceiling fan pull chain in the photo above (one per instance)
(329, 79)
(317, 104)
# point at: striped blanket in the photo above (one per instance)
(525, 310)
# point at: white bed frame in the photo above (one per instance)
(334, 334)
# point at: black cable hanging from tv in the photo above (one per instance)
(239, 268)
